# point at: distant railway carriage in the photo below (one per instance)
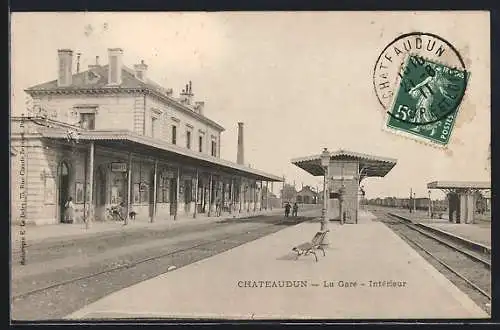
(421, 203)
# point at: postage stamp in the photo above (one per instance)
(420, 80)
(426, 102)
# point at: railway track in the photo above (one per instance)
(467, 267)
(474, 251)
(232, 238)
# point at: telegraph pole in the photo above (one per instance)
(283, 192)
(414, 203)
(410, 200)
(430, 204)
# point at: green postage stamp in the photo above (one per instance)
(427, 100)
(420, 80)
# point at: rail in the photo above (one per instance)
(474, 246)
(486, 263)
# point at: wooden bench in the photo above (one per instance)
(310, 247)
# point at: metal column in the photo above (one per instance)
(210, 196)
(241, 195)
(177, 192)
(255, 196)
(129, 186)
(261, 197)
(155, 186)
(267, 195)
(89, 205)
(196, 195)
(231, 197)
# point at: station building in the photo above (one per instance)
(343, 175)
(306, 196)
(109, 135)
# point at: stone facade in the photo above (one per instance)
(161, 185)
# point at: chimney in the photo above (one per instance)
(115, 66)
(240, 158)
(169, 92)
(199, 105)
(96, 65)
(141, 70)
(187, 94)
(65, 70)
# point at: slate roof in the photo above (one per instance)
(82, 80)
(374, 166)
(96, 78)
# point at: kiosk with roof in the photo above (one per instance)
(344, 174)
(461, 198)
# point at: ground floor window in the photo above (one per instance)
(188, 191)
(144, 192)
(163, 187)
(118, 187)
(236, 195)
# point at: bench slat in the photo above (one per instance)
(304, 246)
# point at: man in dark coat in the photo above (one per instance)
(295, 209)
(287, 209)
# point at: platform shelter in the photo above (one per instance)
(461, 197)
(344, 174)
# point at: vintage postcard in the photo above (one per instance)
(250, 165)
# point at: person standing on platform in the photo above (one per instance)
(287, 209)
(70, 211)
(295, 209)
(218, 207)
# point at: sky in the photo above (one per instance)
(300, 81)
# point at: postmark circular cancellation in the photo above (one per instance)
(420, 80)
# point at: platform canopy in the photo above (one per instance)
(125, 140)
(452, 185)
(369, 165)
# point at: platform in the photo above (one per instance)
(223, 286)
(475, 233)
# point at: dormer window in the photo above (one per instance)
(92, 77)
